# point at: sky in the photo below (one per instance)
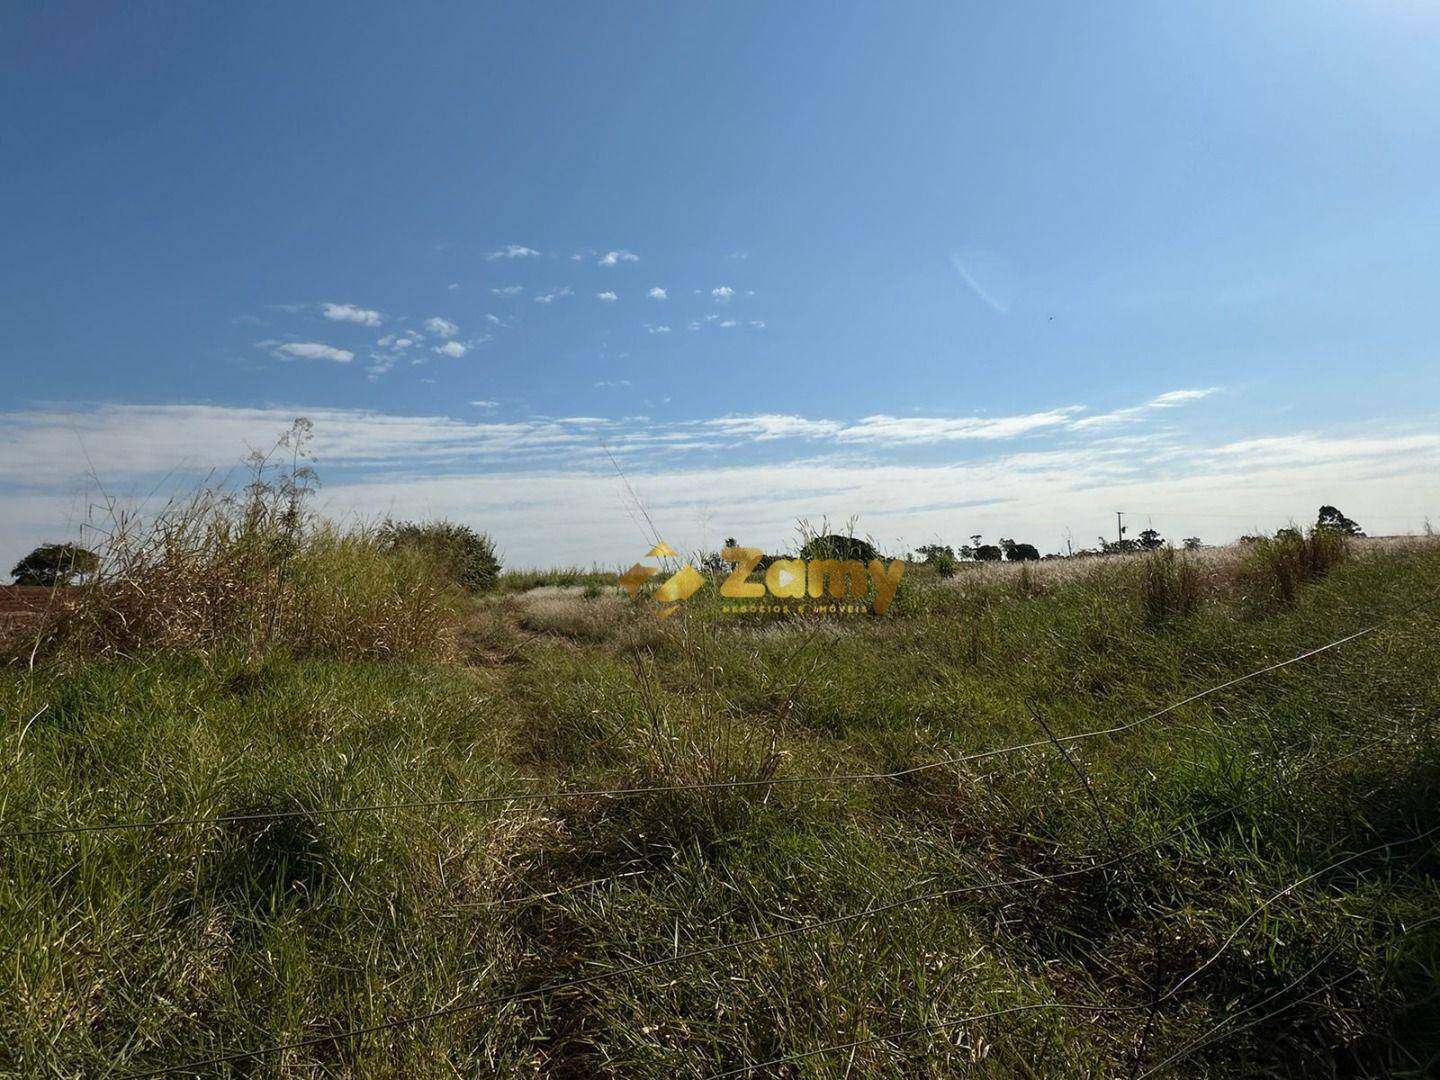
(936, 269)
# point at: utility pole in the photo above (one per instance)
(1119, 529)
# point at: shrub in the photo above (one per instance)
(1170, 585)
(835, 546)
(1275, 567)
(467, 556)
(940, 558)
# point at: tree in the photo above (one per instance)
(939, 557)
(1192, 543)
(1150, 540)
(987, 553)
(54, 564)
(465, 555)
(1331, 518)
(1020, 552)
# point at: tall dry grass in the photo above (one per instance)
(252, 570)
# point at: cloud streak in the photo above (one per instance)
(976, 287)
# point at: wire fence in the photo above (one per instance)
(1032, 880)
(771, 782)
(1028, 881)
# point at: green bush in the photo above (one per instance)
(939, 558)
(466, 555)
(1276, 566)
(1170, 585)
(836, 546)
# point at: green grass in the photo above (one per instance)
(121, 951)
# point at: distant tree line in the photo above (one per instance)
(945, 559)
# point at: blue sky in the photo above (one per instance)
(950, 268)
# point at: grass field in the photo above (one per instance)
(1243, 886)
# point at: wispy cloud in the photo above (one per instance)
(508, 290)
(352, 314)
(657, 293)
(607, 297)
(512, 251)
(614, 258)
(976, 287)
(452, 349)
(444, 327)
(1168, 400)
(541, 483)
(894, 430)
(310, 350)
(553, 295)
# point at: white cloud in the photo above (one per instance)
(493, 320)
(767, 426)
(727, 324)
(513, 251)
(544, 487)
(1178, 397)
(607, 297)
(758, 324)
(486, 405)
(613, 258)
(351, 313)
(314, 350)
(553, 295)
(444, 327)
(657, 293)
(893, 430)
(452, 349)
(722, 293)
(453, 286)
(1169, 400)
(509, 290)
(657, 329)
(612, 384)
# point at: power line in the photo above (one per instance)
(661, 789)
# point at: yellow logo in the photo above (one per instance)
(676, 588)
(785, 579)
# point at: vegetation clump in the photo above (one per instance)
(251, 569)
(467, 557)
